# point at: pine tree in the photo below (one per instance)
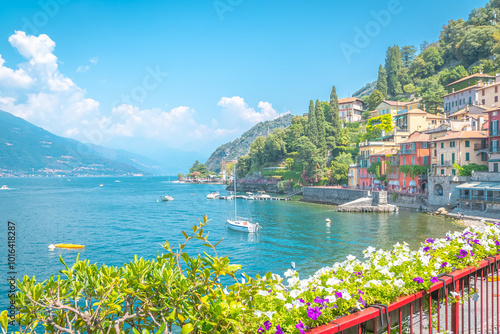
(393, 85)
(382, 81)
(321, 124)
(388, 56)
(334, 109)
(312, 125)
(397, 57)
(408, 54)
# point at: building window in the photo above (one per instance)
(425, 145)
(442, 159)
(452, 144)
(495, 167)
(467, 156)
(496, 98)
(413, 160)
(442, 171)
(483, 102)
(452, 158)
(467, 143)
(426, 160)
(484, 156)
(453, 172)
(404, 183)
(378, 159)
(404, 161)
(442, 145)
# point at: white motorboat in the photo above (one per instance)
(166, 198)
(4, 187)
(240, 224)
(262, 196)
(213, 195)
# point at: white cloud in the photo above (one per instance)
(39, 93)
(236, 106)
(83, 68)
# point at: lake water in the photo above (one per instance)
(121, 219)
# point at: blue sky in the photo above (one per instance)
(228, 68)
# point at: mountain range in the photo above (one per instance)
(28, 150)
(241, 145)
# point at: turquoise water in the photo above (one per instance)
(121, 219)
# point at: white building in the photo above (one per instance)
(351, 109)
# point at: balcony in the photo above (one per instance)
(481, 146)
(494, 149)
(407, 151)
(445, 163)
(403, 128)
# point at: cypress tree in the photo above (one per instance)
(388, 56)
(382, 81)
(393, 85)
(320, 121)
(397, 56)
(334, 109)
(312, 125)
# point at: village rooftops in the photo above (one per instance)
(463, 135)
(349, 100)
(417, 137)
(476, 75)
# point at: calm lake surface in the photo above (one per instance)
(121, 219)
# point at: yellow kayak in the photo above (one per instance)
(69, 246)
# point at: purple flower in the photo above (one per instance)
(300, 326)
(279, 330)
(338, 294)
(497, 243)
(434, 280)
(463, 253)
(267, 324)
(477, 242)
(360, 292)
(313, 312)
(471, 254)
(362, 301)
(419, 279)
(261, 330)
(444, 264)
(426, 249)
(321, 301)
(430, 241)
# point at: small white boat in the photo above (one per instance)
(166, 198)
(4, 187)
(262, 196)
(101, 185)
(242, 226)
(213, 195)
(117, 181)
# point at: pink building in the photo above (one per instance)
(351, 109)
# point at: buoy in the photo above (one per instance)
(328, 220)
(52, 247)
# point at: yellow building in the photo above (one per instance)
(460, 147)
(392, 107)
(411, 120)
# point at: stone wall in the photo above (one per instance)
(485, 176)
(410, 201)
(442, 190)
(379, 198)
(333, 196)
(254, 187)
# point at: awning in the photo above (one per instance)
(391, 182)
(395, 183)
(376, 182)
(413, 183)
(494, 186)
(494, 160)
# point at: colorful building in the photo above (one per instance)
(476, 89)
(416, 150)
(364, 179)
(392, 107)
(493, 146)
(462, 147)
(351, 109)
(384, 157)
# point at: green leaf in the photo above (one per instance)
(188, 328)
(185, 235)
(4, 319)
(161, 329)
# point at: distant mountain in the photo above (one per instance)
(366, 90)
(241, 146)
(26, 149)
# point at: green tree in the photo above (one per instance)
(393, 85)
(432, 93)
(243, 166)
(312, 124)
(432, 56)
(397, 56)
(311, 159)
(408, 54)
(289, 163)
(257, 151)
(180, 176)
(384, 122)
(321, 123)
(294, 132)
(466, 170)
(409, 89)
(275, 146)
(334, 106)
(382, 81)
(376, 97)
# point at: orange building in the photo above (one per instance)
(384, 157)
(416, 150)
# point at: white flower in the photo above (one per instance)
(225, 291)
(288, 306)
(263, 293)
(289, 273)
(281, 297)
(293, 280)
(295, 293)
(329, 290)
(331, 299)
(297, 303)
(370, 249)
(399, 283)
(269, 314)
(333, 281)
(258, 313)
(351, 257)
(279, 287)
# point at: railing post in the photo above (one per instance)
(455, 310)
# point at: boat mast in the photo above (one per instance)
(234, 181)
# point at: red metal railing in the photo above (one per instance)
(466, 301)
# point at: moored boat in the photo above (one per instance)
(166, 198)
(4, 187)
(213, 195)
